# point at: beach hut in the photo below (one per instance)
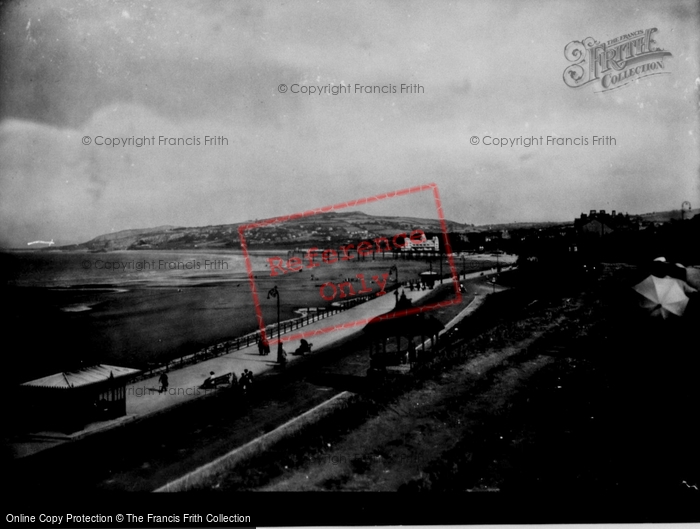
(67, 401)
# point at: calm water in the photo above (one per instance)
(124, 269)
(124, 308)
(136, 308)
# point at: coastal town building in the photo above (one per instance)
(424, 245)
(600, 223)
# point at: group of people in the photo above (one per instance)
(304, 348)
(245, 383)
(263, 347)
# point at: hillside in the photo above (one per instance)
(323, 228)
(666, 216)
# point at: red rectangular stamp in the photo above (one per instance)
(323, 264)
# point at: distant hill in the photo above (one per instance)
(316, 229)
(323, 228)
(518, 226)
(666, 216)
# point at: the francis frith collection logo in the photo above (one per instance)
(616, 63)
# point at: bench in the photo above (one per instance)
(217, 381)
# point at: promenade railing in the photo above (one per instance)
(313, 314)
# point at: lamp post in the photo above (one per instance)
(275, 293)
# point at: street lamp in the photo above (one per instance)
(276, 294)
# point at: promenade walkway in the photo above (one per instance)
(144, 399)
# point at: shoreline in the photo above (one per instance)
(137, 323)
(141, 406)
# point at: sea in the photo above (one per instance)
(128, 308)
(61, 269)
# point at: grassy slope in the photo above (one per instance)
(572, 394)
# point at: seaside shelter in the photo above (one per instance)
(429, 278)
(67, 401)
(395, 336)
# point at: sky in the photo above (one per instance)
(76, 69)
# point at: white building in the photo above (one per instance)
(425, 245)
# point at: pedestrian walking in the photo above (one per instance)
(163, 381)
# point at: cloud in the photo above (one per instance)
(188, 70)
